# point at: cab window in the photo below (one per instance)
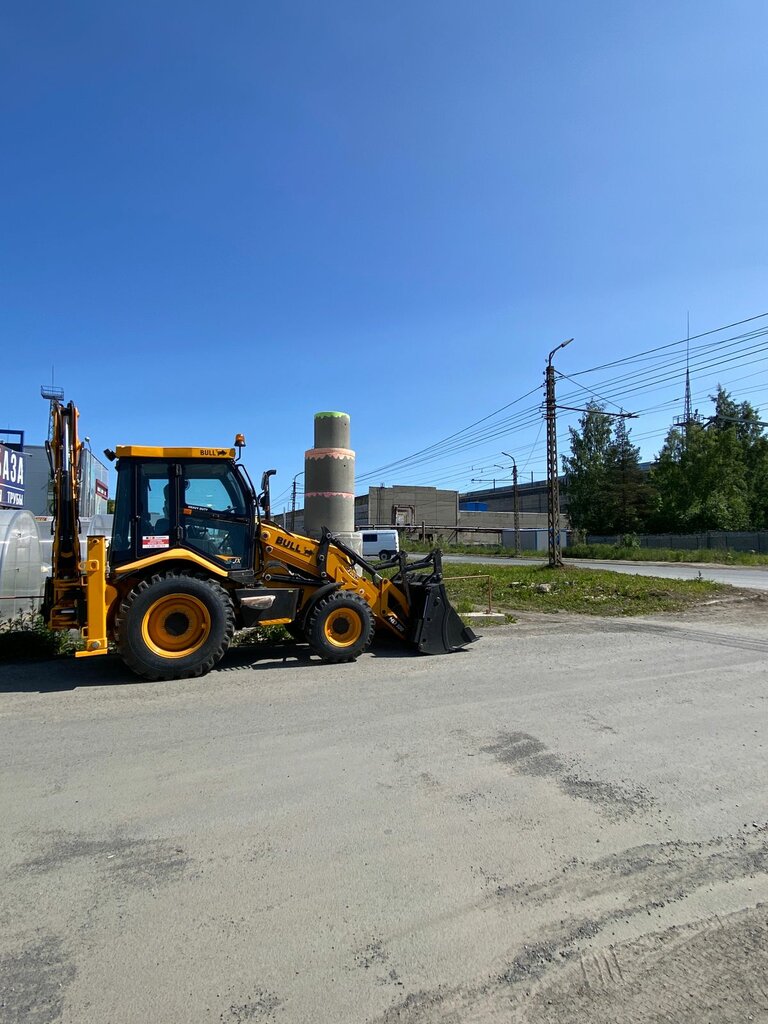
(154, 484)
(214, 512)
(121, 548)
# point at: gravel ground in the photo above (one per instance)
(566, 823)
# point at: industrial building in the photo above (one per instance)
(442, 515)
(25, 517)
(25, 478)
(407, 506)
(12, 473)
(532, 497)
(94, 482)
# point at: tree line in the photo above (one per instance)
(711, 474)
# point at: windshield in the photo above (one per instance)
(213, 487)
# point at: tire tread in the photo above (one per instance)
(314, 624)
(204, 665)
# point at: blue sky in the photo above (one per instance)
(227, 217)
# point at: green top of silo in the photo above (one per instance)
(321, 415)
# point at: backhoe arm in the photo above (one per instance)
(75, 590)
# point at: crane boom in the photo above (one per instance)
(64, 604)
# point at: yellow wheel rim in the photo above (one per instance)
(176, 626)
(343, 627)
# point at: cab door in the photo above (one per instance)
(215, 514)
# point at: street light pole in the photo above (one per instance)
(293, 501)
(516, 503)
(553, 476)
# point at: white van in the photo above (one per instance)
(379, 543)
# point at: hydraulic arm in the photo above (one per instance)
(64, 606)
(410, 601)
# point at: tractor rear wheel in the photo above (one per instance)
(174, 626)
(340, 627)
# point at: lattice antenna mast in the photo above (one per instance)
(689, 417)
(688, 407)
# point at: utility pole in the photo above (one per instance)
(515, 502)
(293, 502)
(553, 477)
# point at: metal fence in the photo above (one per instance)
(746, 540)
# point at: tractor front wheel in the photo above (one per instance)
(340, 627)
(174, 626)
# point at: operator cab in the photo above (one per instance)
(198, 499)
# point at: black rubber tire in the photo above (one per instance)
(330, 607)
(383, 556)
(148, 663)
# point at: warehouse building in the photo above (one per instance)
(12, 469)
(442, 515)
(532, 497)
(38, 495)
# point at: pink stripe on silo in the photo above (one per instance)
(328, 494)
(329, 453)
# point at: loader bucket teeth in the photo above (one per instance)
(437, 628)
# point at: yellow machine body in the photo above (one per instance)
(279, 548)
(195, 555)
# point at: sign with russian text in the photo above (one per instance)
(11, 478)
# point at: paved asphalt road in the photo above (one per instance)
(751, 577)
(566, 823)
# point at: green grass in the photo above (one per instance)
(584, 591)
(638, 554)
(418, 546)
(260, 634)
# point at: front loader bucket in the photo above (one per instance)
(437, 628)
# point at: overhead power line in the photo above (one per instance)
(671, 344)
(455, 436)
(661, 372)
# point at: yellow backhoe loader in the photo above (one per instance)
(195, 555)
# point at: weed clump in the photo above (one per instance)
(25, 636)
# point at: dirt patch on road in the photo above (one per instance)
(34, 980)
(526, 755)
(710, 969)
(714, 970)
(125, 860)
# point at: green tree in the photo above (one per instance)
(743, 419)
(757, 462)
(628, 493)
(586, 470)
(701, 477)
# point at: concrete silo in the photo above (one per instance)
(329, 480)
